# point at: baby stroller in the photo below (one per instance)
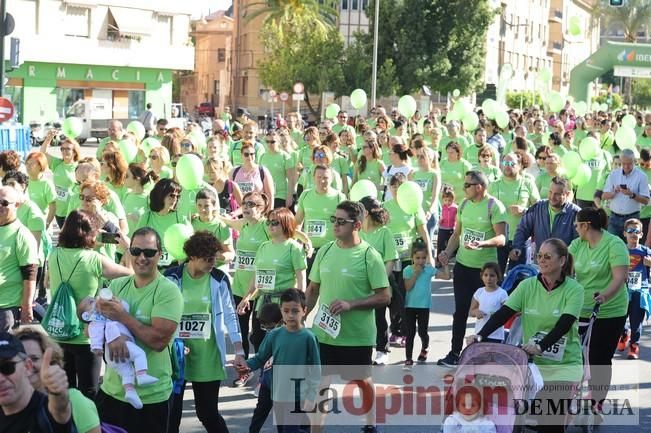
(499, 371)
(586, 422)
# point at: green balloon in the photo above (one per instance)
(72, 127)
(582, 175)
(128, 149)
(358, 98)
(189, 171)
(174, 239)
(629, 121)
(456, 93)
(332, 111)
(603, 107)
(544, 75)
(407, 106)
(410, 197)
(574, 26)
(363, 188)
(137, 128)
(470, 121)
(148, 144)
(502, 119)
(556, 101)
(580, 108)
(625, 137)
(589, 148)
(571, 162)
(489, 107)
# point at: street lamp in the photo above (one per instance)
(375, 42)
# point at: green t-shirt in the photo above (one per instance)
(42, 192)
(135, 205)
(341, 165)
(644, 142)
(600, 168)
(426, 180)
(84, 278)
(645, 212)
(348, 274)
(403, 227)
(84, 412)
(543, 183)
(317, 209)
(236, 152)
(160, 223)
(541, 310)
(217, 228)
(307, 179)
(607, 141)
(31, 216)
(593, 268)
(17, 248)
(373, 172)
(159, 299)
(120, 191)
(537, 139)
(454, 174)
(445, 140)
(477, 224)
(250, 239)
(277, 163)
(204, 362)
(114, 204)
(104, 141)
(521, 192)
(381, 239)
(63, 176)
(187, 205)
(276, 266)
(579, 135)
(493, 174)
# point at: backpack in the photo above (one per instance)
(260, 169)
(60, 320)
(491, 203)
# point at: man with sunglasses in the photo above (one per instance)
(479, 231)
(161, 129)
(155, 308)
(349, 280)
(18, 264)
(22, 408)
(342, 123)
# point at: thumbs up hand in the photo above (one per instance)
(53, 377)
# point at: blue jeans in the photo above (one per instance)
(616, 224)
(635, 315)
(432, 222)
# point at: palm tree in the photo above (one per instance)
(632, 17)
(276, 11)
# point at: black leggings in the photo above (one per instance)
(152, 418)
(466, 282)
(416, 317)
(603, 343)
(206, 405)
(397, 305)
(244, 324)
(262, 409)
(82, 368)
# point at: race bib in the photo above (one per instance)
(265, 280)
(62, 193)
(422, 183)
(328, 322)
(634, 280)
(555, 352)
(244, 260)
(473, 236)
(165, 259)
(245, 187)
(403, 242)
(315, 228)
(593, 164)
(194, 326)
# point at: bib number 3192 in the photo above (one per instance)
(328, 322)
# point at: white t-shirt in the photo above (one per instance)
(490, 302)
(455, 423)
(388, 174)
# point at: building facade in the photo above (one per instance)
(98, 60)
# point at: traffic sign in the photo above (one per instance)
(6, 109)
(298, 97)
(272, 93)
(298, 87)
(284, 96)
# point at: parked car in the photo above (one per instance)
(205, 109)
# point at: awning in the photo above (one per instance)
(132, 21)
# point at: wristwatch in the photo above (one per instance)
(633, 196)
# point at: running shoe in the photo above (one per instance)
(242, 380)
(423, 356)
(381, 358)
(450, 360)
(393, 339)
(408, 365)
(623, 341)
(633, 351)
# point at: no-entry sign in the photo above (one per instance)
(6, 109)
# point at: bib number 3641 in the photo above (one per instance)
(328, 322)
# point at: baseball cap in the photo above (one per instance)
(10, 346)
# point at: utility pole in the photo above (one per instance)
(3, 31)
(376, 24)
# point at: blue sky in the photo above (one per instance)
(202, 7)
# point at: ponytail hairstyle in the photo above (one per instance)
(597, 219)
(143, 176)
(374, 210)
(402, 151)
(561, 249)
(419, 245)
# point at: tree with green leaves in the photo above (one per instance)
(641, 89)
(300, 50)
(632, 17)
(357, 64)
(324, 13)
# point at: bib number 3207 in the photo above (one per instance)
(328, 322)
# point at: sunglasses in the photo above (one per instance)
(186, 144)
(173, 164)
(86, 198)
(148, 252)
(508, 163)
(7, 368)
(247, 154)
(6, 203)
(273, 223)
(545, 256)
(340, 221)
(636, 231)
(271, 141)
(468, 185)
(174, 195)
(153, 157)
(251, 204)
(66, 149)
(485, 156)
(319, 155)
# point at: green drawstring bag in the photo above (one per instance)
(60, 320)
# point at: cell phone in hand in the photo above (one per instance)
(623, 186)
(109, 238)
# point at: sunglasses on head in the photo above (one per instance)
(632, 230)
(340, 221)
(148, 252)
(7, 368)
(273, 223)
(6, 203)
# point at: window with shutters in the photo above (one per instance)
(77, 22)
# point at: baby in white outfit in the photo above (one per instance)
(102, 331)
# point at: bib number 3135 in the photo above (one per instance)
(328, 322)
